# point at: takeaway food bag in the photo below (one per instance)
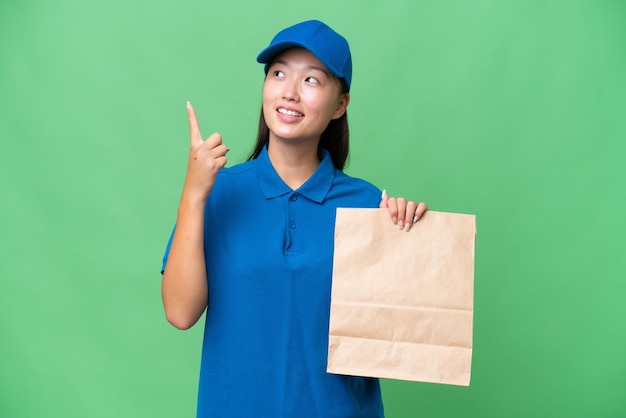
(403, 302)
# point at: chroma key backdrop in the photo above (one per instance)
(510, 110)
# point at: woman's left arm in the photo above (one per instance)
(404, 213)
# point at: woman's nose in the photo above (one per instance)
(290, 92)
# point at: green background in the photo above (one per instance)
(511, 110)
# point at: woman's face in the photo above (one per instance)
(300, 97)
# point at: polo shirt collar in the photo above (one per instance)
(315, 188)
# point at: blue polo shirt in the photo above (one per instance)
(269, 256)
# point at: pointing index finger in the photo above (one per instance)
(195, 137)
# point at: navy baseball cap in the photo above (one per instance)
(327, 45)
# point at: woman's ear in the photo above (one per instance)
(344, 100)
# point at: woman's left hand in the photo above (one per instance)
(403, 213)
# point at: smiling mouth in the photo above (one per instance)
(288, 112)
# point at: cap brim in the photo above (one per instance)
(268, 54)
(271, 52)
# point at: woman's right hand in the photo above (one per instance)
(205, 159)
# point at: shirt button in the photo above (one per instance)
(292, 225)
(293, 197)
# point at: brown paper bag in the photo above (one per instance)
(402, 302)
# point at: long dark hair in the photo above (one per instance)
(335, 138)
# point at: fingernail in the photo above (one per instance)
(400, 225)
(415, 219)
(394, 220)
(188, 104)
(382, 196)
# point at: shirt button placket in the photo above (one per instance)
(292, 199)
(292, 224)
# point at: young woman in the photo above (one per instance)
(253, 243)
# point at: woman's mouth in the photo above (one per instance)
(288, 112)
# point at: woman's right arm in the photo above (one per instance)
(184, 286)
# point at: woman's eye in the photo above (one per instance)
(312, 80)
(278, 73)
